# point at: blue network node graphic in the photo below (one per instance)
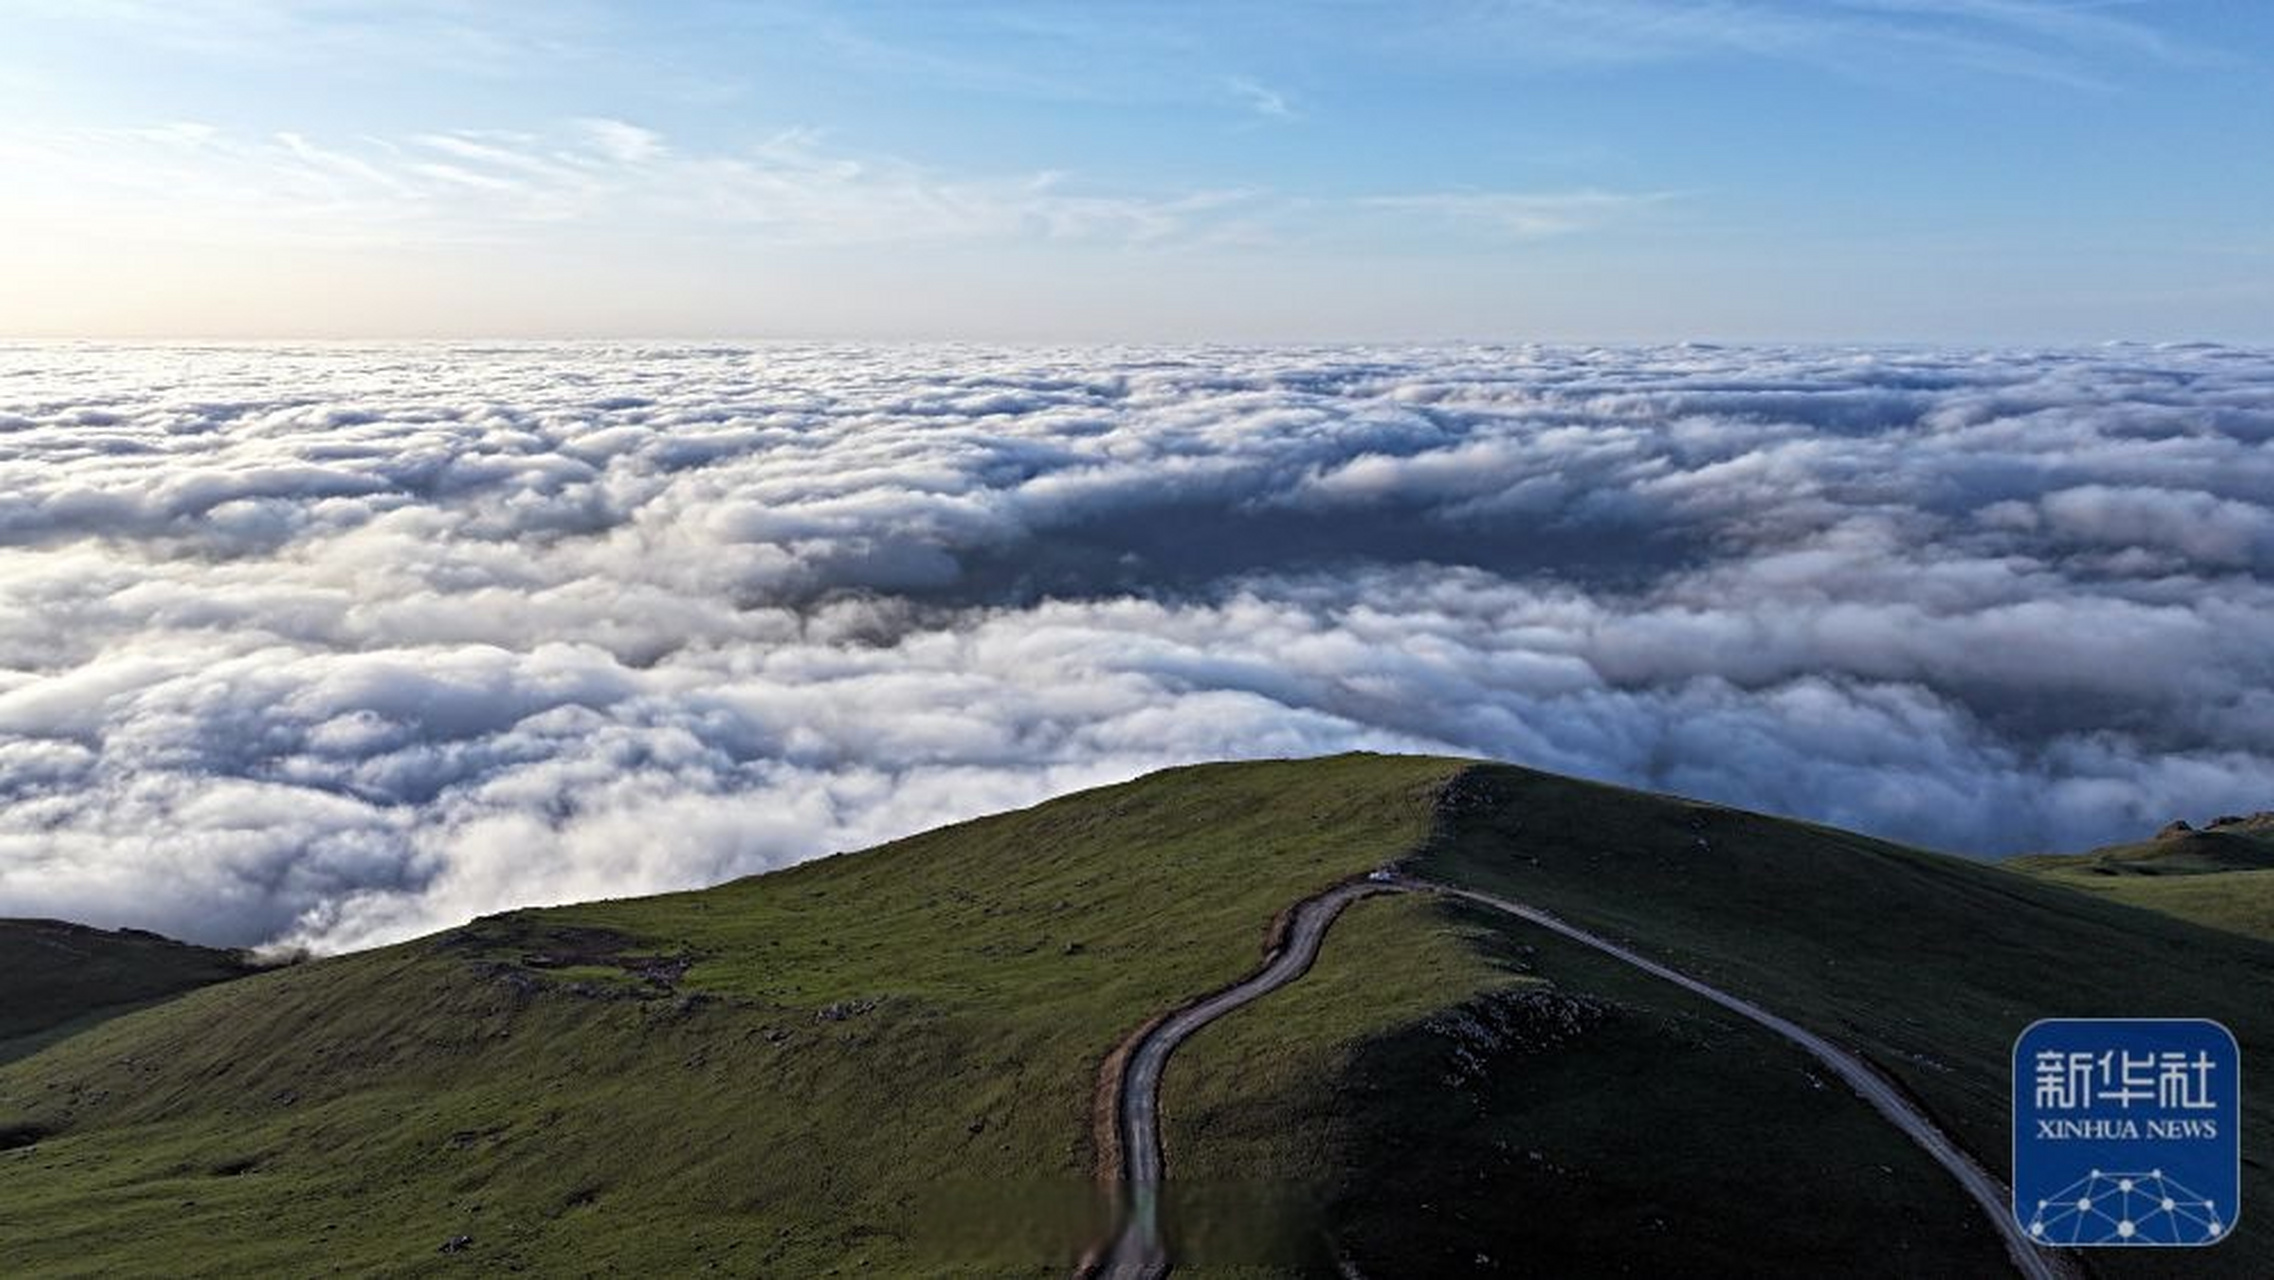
(2127, 1132)
(2126, 1208)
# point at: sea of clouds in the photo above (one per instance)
(334, 645)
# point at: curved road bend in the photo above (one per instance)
(1991, 1195)
(1138, 1253)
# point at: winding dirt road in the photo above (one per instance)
(1138, 1252)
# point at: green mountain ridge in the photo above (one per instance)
(886, 1062)
(2221, 875)
(64, 977)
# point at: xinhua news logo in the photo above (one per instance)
(2126, 1131)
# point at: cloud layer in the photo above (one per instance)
(338, 644)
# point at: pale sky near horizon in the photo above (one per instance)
(1928, 170)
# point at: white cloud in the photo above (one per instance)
(193, 182)
(1518, 214)
(342, 643)
(2050, 41)
(1262, 99)
(624, 142)
(190, 182)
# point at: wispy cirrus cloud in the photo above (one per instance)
(194, 181)
(1520, 215)
(2062, 41)
(1263, 100)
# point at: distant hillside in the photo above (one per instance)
(2221, 875)
(885, 1062)
(56, 977)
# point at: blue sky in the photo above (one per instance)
(1936, 170)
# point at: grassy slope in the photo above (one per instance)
(352, 1115)
(1929, 965)
(1471, 1086)
(1570, 1116)
(2222, 877)
(58, 978)
(1257, 1105)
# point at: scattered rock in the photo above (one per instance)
(522, 983)
(1518, 1021)
(838, 1011)
(663, 971)
(1465, 792)
(456, 1244)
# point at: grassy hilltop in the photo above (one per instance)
(827, 1070)
(2222, 875)
(57, 978)
(884, 1062)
